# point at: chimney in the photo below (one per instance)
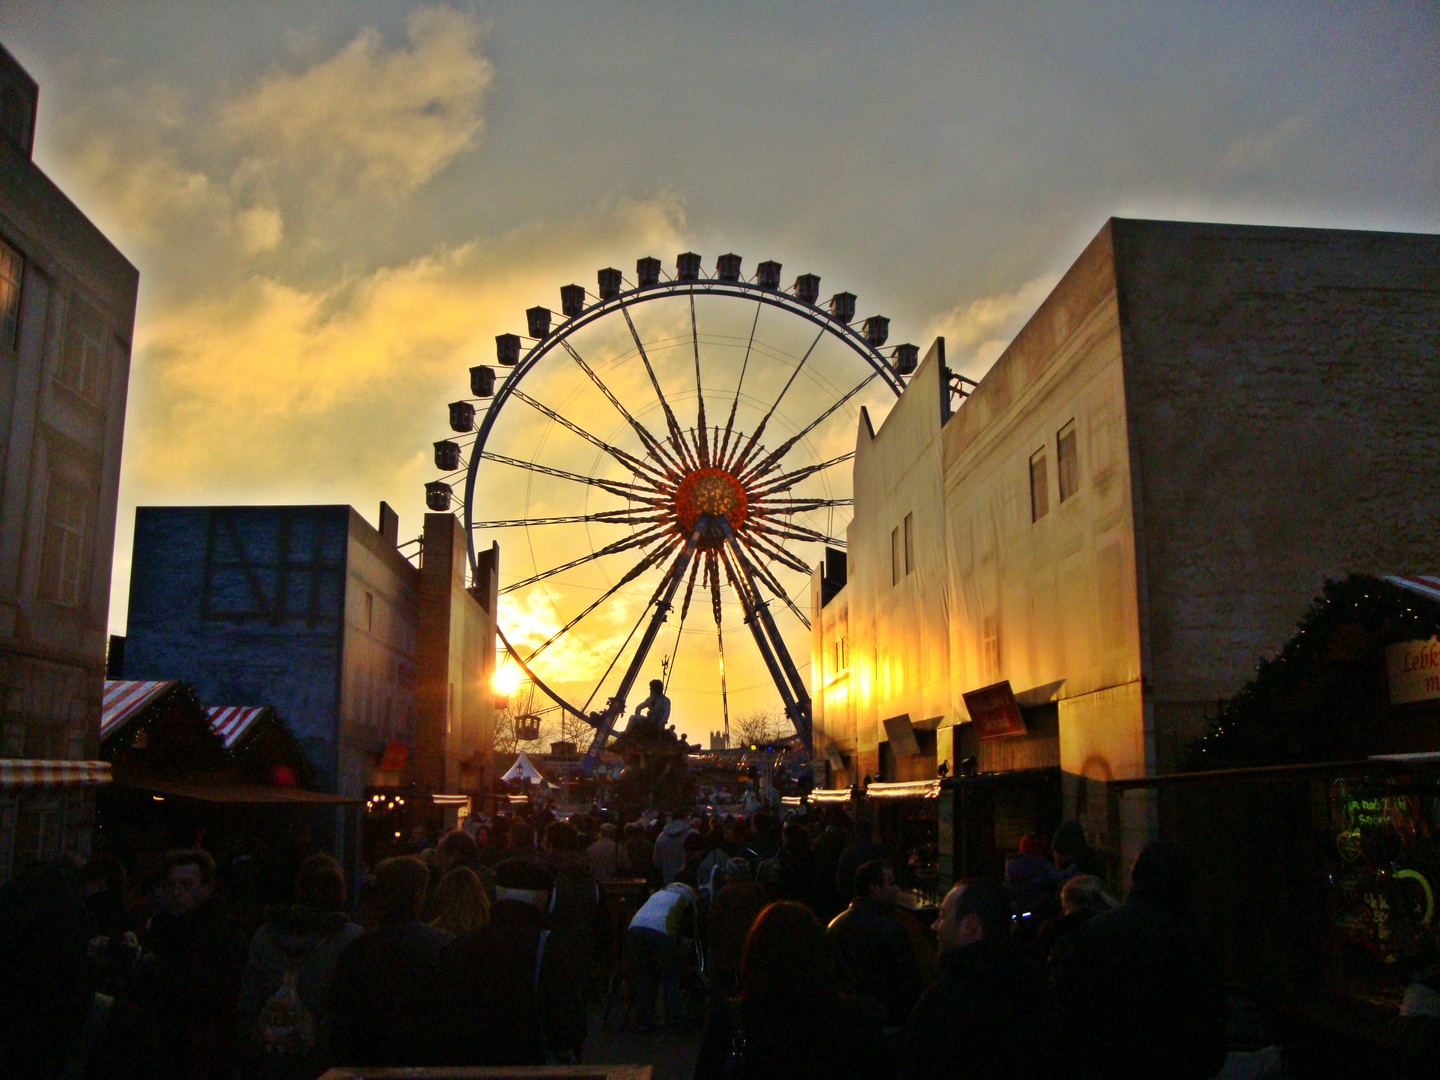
(389, 524)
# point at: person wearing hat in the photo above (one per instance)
(512, 991)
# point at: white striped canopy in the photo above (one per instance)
(124, 698)
(16, 772)
(1424, 584)
(231, 722)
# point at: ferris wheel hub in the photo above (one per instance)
(711, 491)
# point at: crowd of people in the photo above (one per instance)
(782, 943)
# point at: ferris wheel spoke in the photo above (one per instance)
(735, 402)
(650, 559)
(607, 517)
(742, 458)
(785, 481)
(680, 629)
(640, 539)
(771, 461)
(701, 440)
(639, 468)
(797, 506)
(791, 531)
(623, 488)
(775, 551)
(771, 582)
(654, 445)
(677, 437)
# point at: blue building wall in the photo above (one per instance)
(247, 603)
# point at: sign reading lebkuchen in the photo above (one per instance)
(1414, 668)
(994, 711)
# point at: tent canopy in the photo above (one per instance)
(523, 770)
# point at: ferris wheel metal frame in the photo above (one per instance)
(672, 461)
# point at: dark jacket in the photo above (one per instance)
(842, 1041)
(310, 942)
(495, 1012)
(384, 1000)
(187, 977)
(875, 957)
(861, 850)
(731, 915)
(575, 908)
(1139, 997)
(985, 1015)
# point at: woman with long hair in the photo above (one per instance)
(460, 902)
(789, 1019)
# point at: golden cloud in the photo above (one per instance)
(383, 119)
(977, 331)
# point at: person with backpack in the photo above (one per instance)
(284, 1005)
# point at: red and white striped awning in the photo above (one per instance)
(231, 722)
(124, 698)
(26, 773)
(1424, 584)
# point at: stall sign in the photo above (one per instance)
(395, 754)
(994, 711)
(1414, 669)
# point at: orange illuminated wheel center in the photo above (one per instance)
(710, 491)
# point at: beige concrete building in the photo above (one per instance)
(1199, 425)
(67, 311)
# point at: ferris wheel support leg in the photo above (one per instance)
(616, 706)
(756, 615)
(800, 695)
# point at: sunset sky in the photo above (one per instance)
(336, 207)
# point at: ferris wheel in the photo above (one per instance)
(663, 462)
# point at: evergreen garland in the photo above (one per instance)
(1318, 698)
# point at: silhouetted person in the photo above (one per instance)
(511, 992)
(986, 1014)
(284, 1008)
(385, 992)
(1139, 994)
(52, 1022)
(864, 848)
(789, 1019)
(188, 973)
(873, 949)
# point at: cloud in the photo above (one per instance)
(977, 331)
(273, 383)
(1259, 148)
(377, 117)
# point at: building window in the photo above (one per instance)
(991, 646)
(1039, 491)
(895, 556)
(1068, 462)
(369, 611)
(62, 554)
(12, 272)
(82, 360)
(909, 542)
(842, 654)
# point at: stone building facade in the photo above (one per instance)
(1199, 425)
(67, 313)
(313, 611)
